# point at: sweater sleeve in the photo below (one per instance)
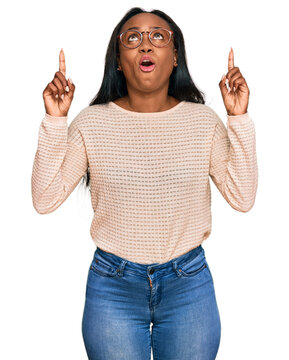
(59, 163)
(233, 162)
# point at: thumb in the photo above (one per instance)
(71, 88)
(223, 87)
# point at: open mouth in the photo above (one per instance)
(147, 66)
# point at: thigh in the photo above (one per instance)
(114, 324)
(187, 324)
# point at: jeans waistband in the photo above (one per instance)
(144, 268)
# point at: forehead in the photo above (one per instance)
(145, 21)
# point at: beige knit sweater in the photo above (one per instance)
(150, 188)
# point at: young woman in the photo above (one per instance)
(148, 145)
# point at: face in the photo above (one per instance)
(165, 58)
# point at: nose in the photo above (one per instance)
(145, 44)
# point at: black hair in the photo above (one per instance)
(181, 85)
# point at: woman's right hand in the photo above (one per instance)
(57, 99)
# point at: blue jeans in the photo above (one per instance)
(124, 299)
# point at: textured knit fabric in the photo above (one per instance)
(150, 172)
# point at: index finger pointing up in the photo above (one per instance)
(62, 67)
(231, 60)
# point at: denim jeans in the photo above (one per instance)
(132, 309)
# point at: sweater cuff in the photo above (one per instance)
(238, 118)
(55, 119)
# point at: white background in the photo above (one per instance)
(45, 258)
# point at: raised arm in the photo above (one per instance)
(233, 164)
(60, 160)
(59, 164)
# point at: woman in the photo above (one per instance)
(150, 145)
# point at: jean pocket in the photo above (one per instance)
(193, 267)
(102, 267)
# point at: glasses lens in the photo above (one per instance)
(159, 38)
(131, 38)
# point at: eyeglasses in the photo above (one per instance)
(133, 38)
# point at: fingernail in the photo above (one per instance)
(67, 88)
(70, 80)
(223, 77)
(229, 89)
(62, 96)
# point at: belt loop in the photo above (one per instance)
(174, 264)
(121, 267)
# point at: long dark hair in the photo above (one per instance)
(181, 85)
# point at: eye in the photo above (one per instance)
(155, 35)
(133, 35)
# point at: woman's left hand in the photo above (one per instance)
(235, 98)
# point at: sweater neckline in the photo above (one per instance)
(155, 113)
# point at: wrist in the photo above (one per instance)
(56, 116)
(236, 114)
(55, 119)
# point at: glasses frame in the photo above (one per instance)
(141, 34)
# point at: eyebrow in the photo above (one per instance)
(151, 27)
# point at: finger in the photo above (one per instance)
(70, 83)
(231, 60)
(223, 87)
(62, 79)
(227, 85)
(231, 73)
(241, 84)
(71, 88)
(50, 89)
(62, 66)
(233, 78)
(59, 85)
(237, 82)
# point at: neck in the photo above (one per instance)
(147, 103)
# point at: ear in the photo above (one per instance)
(118, 61)
(176, 56)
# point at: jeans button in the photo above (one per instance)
(152, 271)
